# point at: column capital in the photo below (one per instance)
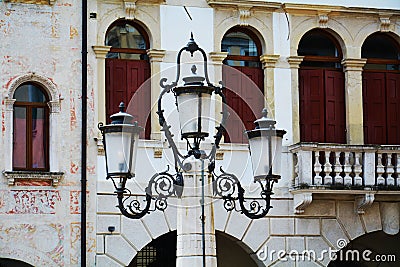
(353, 64)
(55, 106)
(156, 55)
(269, 61)
(295, 61)
(9, 103)
(101, 50)
(218, 57)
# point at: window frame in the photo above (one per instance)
(54, 176)
(29, 106)
(253, 37)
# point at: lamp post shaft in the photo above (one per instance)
(191, 233)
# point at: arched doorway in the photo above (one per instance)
(381, 90)
(244, 93)
(127, 68)
(376, 249)
(5, 262)
(321, 89)
(161, 252)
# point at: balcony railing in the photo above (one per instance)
(327, 168)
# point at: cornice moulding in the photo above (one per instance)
(327, 9)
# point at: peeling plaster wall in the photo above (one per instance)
(40, 223)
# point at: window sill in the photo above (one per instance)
(53, 177)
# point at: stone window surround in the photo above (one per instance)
(54, 173)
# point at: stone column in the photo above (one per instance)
(294, 62)
(268, 62)
(189, 226)
(216, 59)
(156, 57)
(354, 102)
(9, 128)
(55, 108)
(101, 52)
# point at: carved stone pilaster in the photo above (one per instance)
(385, 22)
(295, 61)
(269, 61)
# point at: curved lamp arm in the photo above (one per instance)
(161, 186)
(227, 186)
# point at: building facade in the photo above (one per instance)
(327, 71)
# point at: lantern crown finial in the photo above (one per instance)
(121, 107)
(264, 121)
(121, 117)
(191, 45)
(264, 113)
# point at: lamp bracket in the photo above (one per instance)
(228, 187)
(160, 187)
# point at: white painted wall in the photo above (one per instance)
(176, 27)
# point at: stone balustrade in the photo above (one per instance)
(345, 166)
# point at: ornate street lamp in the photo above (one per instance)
(193, 101)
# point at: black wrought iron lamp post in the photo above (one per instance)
(193, 98)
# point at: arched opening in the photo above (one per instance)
(375, 249)
(243, 91)
(161, 252)
(321, 89)
(231, 254)
(381, 90)
(127, 68)
(5, 262)
(31, 128)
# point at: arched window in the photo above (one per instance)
(244, 80)
(127, 68)
(381, 90)
(31, 128)
(321, 89)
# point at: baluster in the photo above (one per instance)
(347, 169)
(296, 169)
(357, 169)
(389, 170)
(338, 168)
(327, 169)
(317, 170)
(380, 169)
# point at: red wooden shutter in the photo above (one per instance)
(123, 79)
(334, 107)
(312, 111)
(138, 71)
(374, 106)
(243, 101)
(115, 85)
(393, 108)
